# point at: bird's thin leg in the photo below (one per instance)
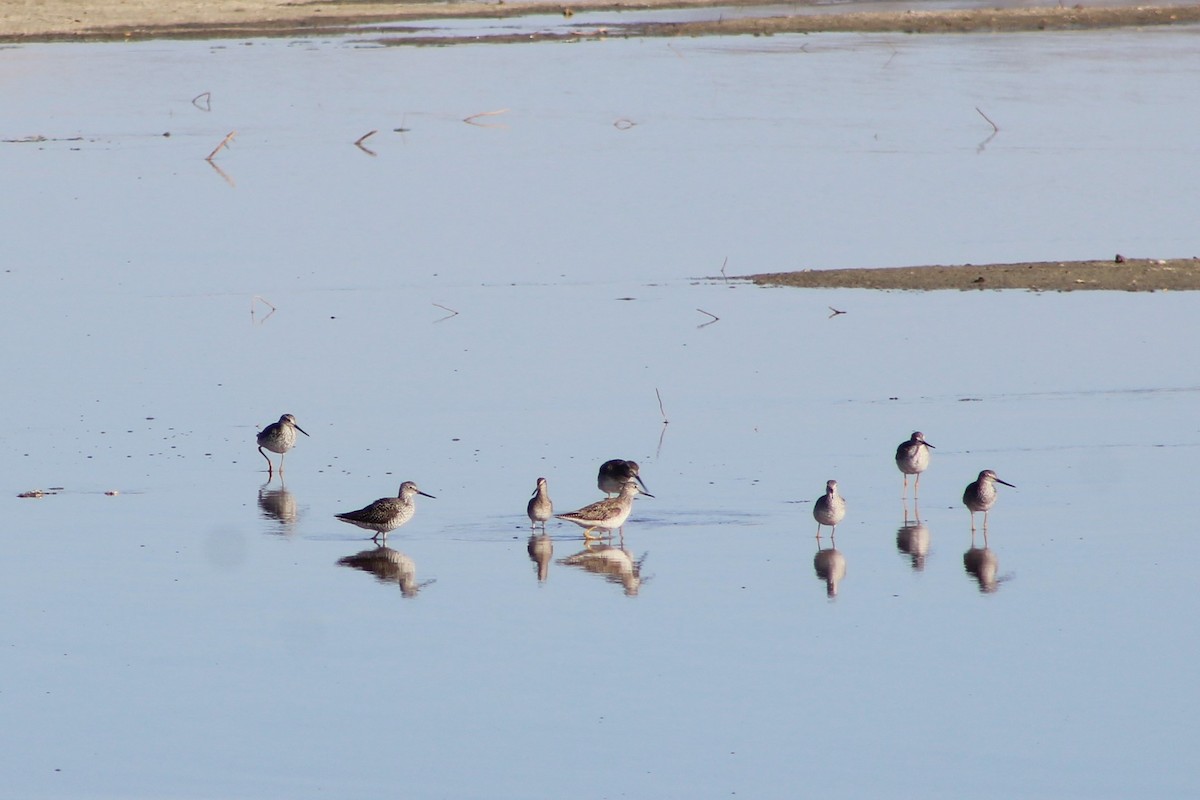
(904, 491)
(270, 466)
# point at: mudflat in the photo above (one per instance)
(59, 20)
(1129, 275)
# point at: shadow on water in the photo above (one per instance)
(612, 562)
(830, 566)
(388, 566)
(278, 505)
(541, 551)
(982, 564)
(912, 538)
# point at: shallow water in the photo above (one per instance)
(195, 636)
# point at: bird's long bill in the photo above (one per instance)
(645, 491)
(297, 427)
(927, 444)
(1006, 483)
(431, 497)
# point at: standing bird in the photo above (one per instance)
(980, 495)
(540, 508)
(609, 514)
(616, 473)
(387, 513)
(912, 458)
(278, 437)
(829, 509)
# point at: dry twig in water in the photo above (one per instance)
(835, 312)
(258, 298)
(224, 143)
(661, 410)
(221, 172)
(471, 120)
(715, 318)
(995, 127)
(452, 313)
(359, 143)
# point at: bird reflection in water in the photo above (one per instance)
(615, 564)
(912, 538)
(830, 566)
(982, 564)
(278, 505)
(540, 550)
(388, 566)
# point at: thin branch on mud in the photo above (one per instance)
(661, 410)
(834, 311)
(452, 313)
(715, 318)
(724, 264)
(38, 138)
(203, 101)
(224, 143)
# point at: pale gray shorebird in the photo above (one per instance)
(912, 458)
(609, 514)
(387, 513)
(616, 473)
(980, 495)
(829, 509)
(278, 437)
(540, 507)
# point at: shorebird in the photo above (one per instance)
(616, 473)
(387, 513)
(278, 437)
(829, 509)
(540, 508)
(980, 495)
(609, 514)
(912, 458)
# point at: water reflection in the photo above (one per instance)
(615, 564)
(540, 550)
(982, 564)
(912, 538)
(830, 566)
(278, 505)
(388, 566)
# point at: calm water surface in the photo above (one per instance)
(194, 636)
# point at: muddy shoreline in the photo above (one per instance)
(108, 20)
(1128, 275)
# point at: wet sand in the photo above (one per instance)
(71, 20)
(1130, 275)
